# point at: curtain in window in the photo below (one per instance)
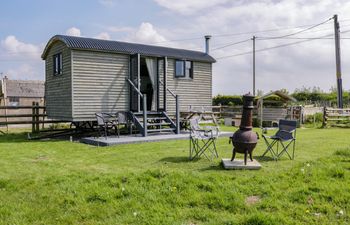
(152, 71)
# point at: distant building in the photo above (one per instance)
(20, 93)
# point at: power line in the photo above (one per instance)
(231, 44)
(266, 49)
(280, 46)
(301, 31)
(277, 37)
(249, 32)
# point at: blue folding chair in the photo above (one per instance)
(285, 136)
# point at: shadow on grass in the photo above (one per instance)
(178, 159)
(21, 138)
(264, 158)
(213, 167)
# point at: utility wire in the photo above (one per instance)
(250, 32)
(231, 44)
(274, 47)
(276, 37)
(301, 31)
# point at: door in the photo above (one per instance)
(135, 79)
(161, 83)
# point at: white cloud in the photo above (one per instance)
(107, 3)
(13, 48)
(119, 28)
(26, 72)
(188, 7)
(147, 34)
(104, 36)
(308, 64)
(73, 31)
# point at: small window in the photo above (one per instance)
(57, 64)
(179, 68)
(13, 101)
(183, 69)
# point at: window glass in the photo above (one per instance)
(183, 69)
(57, 64)
(179, 68)
(189, 69)
(13, 101)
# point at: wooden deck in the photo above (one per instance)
(128, 139)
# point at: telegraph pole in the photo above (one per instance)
(338, 61)
(254, 64)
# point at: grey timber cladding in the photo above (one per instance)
(128, 48)
(58, 91)
(196, 92)
(99, 83)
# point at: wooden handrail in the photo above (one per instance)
(172, 93)
(136, 89)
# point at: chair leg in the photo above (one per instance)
(106, 134)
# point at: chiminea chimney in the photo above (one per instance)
(207, 38)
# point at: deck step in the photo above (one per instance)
(161, 130)
(158, 124)
(152, 118)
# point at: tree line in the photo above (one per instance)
(303, 96)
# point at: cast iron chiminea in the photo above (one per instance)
(244, 140)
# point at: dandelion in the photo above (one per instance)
(307, 211)
(308, 165)
(135, 213)
(123, 189)
(341, 212)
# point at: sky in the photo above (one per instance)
(26, 27)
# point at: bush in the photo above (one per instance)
(318, 117)
(230, 100)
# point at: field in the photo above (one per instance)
(59, 182)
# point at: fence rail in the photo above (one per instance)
(34, 114)
(335, 115)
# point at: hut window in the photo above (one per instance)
(57, 64)
(13, 101)
(183, 69)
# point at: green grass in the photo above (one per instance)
(59, 182)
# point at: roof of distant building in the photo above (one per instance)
(25, 88)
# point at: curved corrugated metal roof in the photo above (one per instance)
(128, 48)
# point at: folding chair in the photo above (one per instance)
(105, 121)
(202, 140)
(285, 136)
(123, 119)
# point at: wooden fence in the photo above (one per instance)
(269, 113)
(335, 116)
(34, 115)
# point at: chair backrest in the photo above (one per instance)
(287, 125)
(122, 117)
(100, 119)
(286, 128)
(194, 127)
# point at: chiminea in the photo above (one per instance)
(244, 140)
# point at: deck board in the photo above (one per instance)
(128, 139)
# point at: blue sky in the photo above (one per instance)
(26, 26)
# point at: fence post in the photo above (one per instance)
(177, 115)
(37, 117)
(324, 123)
(144, 115)
(33, 117)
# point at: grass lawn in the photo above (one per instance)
(59, 182)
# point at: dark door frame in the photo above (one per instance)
(162, 88)
(134, 76)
